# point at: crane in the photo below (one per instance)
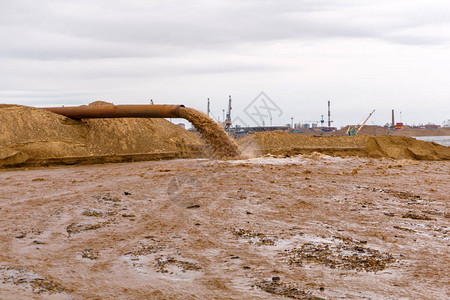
(228, 118)
(355, 130)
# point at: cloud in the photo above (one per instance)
(75, 51)
(105, 29)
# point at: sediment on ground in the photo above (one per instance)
(379, 130)
(31, 136)
(396, 147)
(405, 131)
(34, 137)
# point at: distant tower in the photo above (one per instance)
(393, 123)
(228, 118)
(329, 115)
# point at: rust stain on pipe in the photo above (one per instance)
(118, 111)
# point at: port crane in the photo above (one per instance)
(228, 117)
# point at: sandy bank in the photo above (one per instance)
(379, 130)
(398, 147)
(34, 137)
(31, 136)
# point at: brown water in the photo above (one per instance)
(73, 232)
(223, 146)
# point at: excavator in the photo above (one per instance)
(355, 130)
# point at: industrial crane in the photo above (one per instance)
(355, 130)
(228, 117)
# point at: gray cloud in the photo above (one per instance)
(106, 29)
(75, 51)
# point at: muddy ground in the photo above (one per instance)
(303, 227)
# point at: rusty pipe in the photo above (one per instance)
(117, 111)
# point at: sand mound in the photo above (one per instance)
(400, 147)
(31, 136)
(367, 130)
(408, 131)
(375, 130)
(397, 147)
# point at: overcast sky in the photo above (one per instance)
(361, 55)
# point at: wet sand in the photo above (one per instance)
(303, 226)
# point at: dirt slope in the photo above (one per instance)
(30, 136)
(407, 131)
(398, 147)
(379, 130)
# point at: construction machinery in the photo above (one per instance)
(355, 130)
